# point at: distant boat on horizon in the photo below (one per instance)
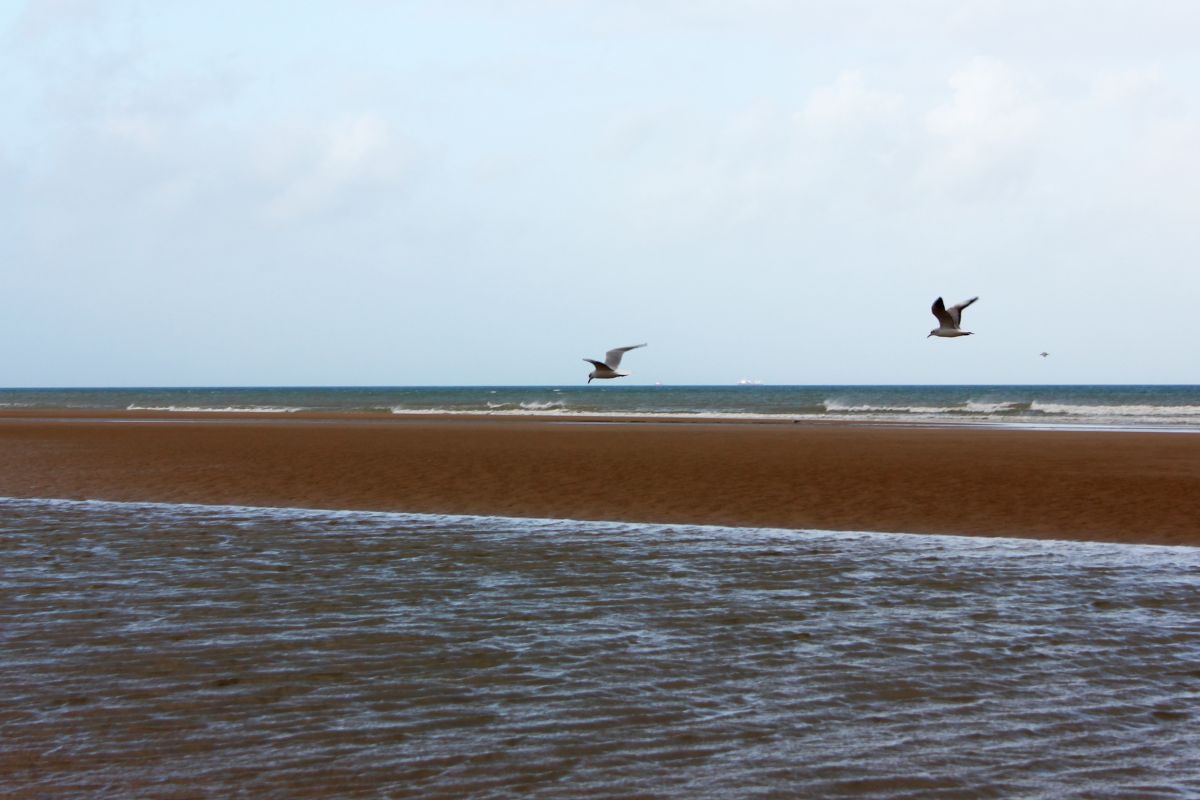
(748, 382)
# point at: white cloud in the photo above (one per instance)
(1169, 168)
(989, 125)
(847, 102)
(140, 130)
(40, 19)
(1115, 88)
(322, 168)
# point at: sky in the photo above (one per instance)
(484, 193)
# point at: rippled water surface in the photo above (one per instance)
(184, 651)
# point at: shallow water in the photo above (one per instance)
(153, 650)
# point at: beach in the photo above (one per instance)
(1117, 486)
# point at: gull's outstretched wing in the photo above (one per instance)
(943, 317)
(598, 364)
(613, 357)
(956, 311)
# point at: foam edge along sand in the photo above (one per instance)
(549, 526)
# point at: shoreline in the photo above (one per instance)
(989, 480)
(192, 416)
(542, 521)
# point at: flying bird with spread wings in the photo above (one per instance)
(612, 360)
(949, 319)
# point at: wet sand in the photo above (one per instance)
(1110, 486)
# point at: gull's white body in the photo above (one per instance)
(949, 319)
(608, 367)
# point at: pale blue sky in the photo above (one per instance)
(371, 192)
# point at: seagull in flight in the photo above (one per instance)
(949, 319)
(1043, 354)
(612, 359)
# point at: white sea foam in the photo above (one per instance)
(1098, 411)
(924, 415)
(225, 410)
(555, 526)
(528, 405)
(533, 405)
(969, 407)
(838, 407)
(558, 411)
(993, 407)
(968, 412)
(526, 409)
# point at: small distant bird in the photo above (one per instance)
(612, 359)
(949, 319)
(1043, 354)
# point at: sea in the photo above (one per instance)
(186, 651)
(1153, 407)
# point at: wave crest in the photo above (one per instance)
(225, 410)
(1115, 411)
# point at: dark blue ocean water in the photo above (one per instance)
(1123, 406)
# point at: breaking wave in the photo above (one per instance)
(1115, 411)
(1127, 407)
(224, 410)
(969, 407)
